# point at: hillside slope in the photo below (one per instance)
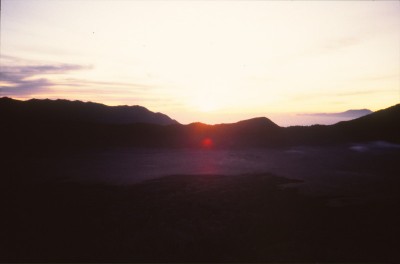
(380, 125)
(77, 111)
(30, 125)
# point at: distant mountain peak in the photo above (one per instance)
(358, 112)
(352, 113)
(258, 121)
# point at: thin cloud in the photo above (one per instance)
(21, 80)
(90, 83)
(27, 81)
(22, 72)
(26, 88)
(32, 80)
(356, 93)
(311, 96)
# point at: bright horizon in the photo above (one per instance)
(207, 61)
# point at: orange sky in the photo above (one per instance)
(209, 61)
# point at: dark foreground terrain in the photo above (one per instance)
(83, 182)
(250, 217)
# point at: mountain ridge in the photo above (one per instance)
(78, 111)
(39, 133)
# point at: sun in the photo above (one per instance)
(207, 100)
(207, 106)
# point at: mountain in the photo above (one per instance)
(255, 132)
(380, 125)
(41, 125)
(78, 112)
(355, 113)
(45, 125)
(347, 114)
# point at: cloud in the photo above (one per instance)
(337, 94)
(117, 86)
(20, 80)
(27, 80)
(23, 78)
(365, 92)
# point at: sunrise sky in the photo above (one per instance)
(209, 61)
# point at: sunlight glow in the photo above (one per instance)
(191, 58)
(207, 143)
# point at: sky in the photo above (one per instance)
(207, 61)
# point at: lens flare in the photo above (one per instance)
(207, 143)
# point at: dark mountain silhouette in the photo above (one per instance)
(380, 125)
(254, 132)
(29, 125)
(383, 124)
(51, 217)
(77, 111)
